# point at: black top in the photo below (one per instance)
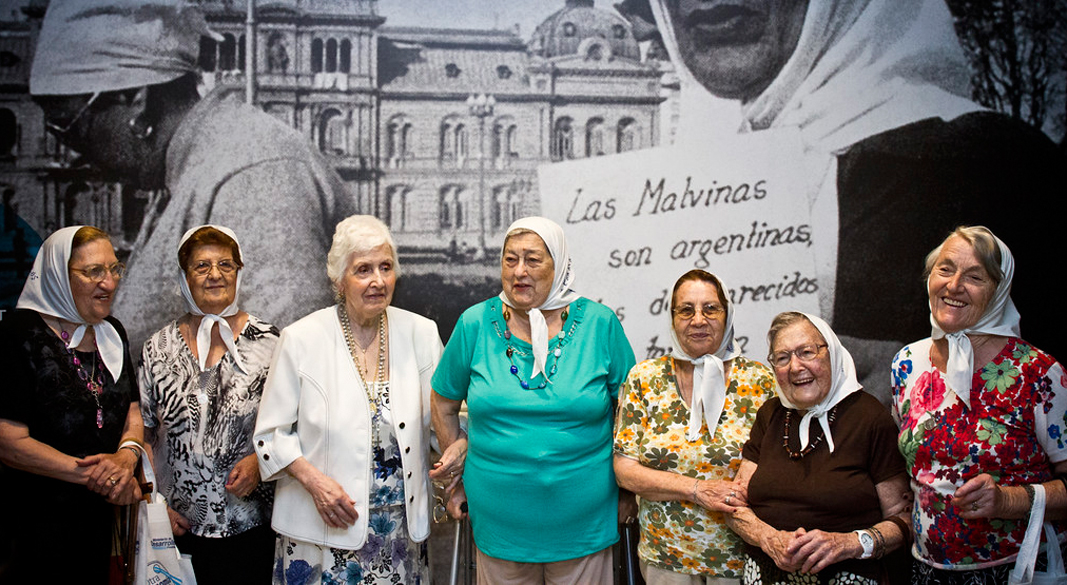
(900, 193)
(57, 521)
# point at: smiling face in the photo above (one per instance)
(804, 383)
(960, 288)
(92, 299)
(216, 290)
(735, 48)
(698, 335)
(526, 271)
(368, 282)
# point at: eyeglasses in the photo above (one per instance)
(203, 267)
(98, 272)
(804, 353)
(689, 311)
(440, 512)
(62, 130)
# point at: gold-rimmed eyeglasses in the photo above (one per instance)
(804, 353)
(98, 272)
(203, 267)
(689, 311)
(61, 130)
(440, 512)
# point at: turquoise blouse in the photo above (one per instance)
(539, 478)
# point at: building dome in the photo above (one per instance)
(580, 28)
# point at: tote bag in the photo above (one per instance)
(156, 558)
(1024, 573)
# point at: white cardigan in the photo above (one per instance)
(313, 406)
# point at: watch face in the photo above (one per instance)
(866, 539)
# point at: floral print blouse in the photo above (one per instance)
(681, 536)
(1013, 431)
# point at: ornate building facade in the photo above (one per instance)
(437, 131)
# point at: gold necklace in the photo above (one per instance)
(373, 398)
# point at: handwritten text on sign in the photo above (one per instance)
(637, 221)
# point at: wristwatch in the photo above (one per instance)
(867, 542)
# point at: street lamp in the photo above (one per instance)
(481, 107)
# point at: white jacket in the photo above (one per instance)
(314, 407)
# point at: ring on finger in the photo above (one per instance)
(727, 500)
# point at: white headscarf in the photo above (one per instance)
(203, 333)
(47, 291)
(709, 374)
(1000, 318)
(89, 46)
(860, 67)
(842, 383)
(561, 294)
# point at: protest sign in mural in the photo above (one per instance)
(635, 222)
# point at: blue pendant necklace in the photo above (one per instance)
(563, 336)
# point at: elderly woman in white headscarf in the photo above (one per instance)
(70, 426)
(683, 419)
(982, 414)
(892, 144)
(827, 493)
(540, 368)
(201, 380)
(118, 83)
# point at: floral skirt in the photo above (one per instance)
(388, 556)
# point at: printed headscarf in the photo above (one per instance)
(561, 294)
(47, 291)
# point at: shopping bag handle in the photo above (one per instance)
(148, 486)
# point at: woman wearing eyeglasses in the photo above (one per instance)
(201, 379)
(827, 493)
(682, 421)
(68, 412)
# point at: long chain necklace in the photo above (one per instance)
(794, 455)
(563, 336)
(373, 398)
(94, 380)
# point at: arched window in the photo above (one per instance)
(563, 139)
(629, 136)
(453, 141)
(316, 56)
(333, 133)
(451, 208)
(396, 204)
(345, 65)
(503, 147)
(594, 137)
(208, 50)
(397, 140)
(228, 53)
(331, 56)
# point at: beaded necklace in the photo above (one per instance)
(794, 455)
(374, 399)
(563, 336)
(94, 380)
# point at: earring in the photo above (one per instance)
(138, 132)
(339, 296)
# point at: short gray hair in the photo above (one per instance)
(357, 234)
(782, 321)
(985, 247)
